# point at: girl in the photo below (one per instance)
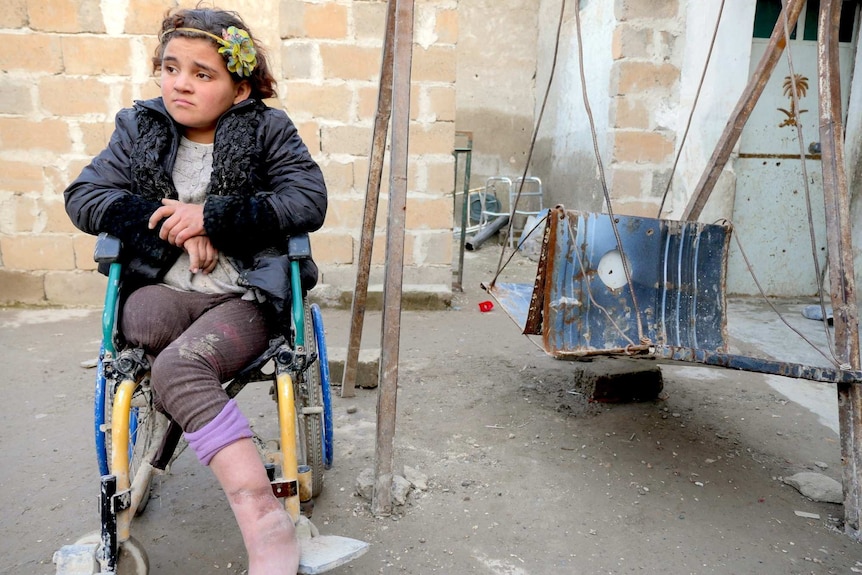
(196, 184)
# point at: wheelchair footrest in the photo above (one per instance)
(324, 552)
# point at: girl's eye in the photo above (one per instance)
(203, 76)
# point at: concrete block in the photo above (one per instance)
(31, 252)
(75, 288)
(618, 380)
(367, 370)
(327, 20)
(18, 287)
(413, 297)
(351, 62)
(48, 135)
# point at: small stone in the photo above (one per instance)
(817, 487)
(365, 484)
(416, 479)
(400, 490)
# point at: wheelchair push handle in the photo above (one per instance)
(298, 248)
(107, 249)
(107, 252)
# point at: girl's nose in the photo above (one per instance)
(183, 83)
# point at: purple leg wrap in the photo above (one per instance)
(228, 426)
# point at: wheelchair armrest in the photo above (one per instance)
(107, 249)
(299, 247)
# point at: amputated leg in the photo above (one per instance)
(267, 529)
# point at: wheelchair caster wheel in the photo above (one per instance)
(132, 560)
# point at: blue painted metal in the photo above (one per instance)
(673, 308)
(515, 300)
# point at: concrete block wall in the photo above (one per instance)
(645, 79)
(77, 62)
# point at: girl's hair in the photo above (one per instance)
(214, 21)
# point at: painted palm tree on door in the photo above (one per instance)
(801, 84)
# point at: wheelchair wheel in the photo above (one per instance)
(143, 426)
(309, 395)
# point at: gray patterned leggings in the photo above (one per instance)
(199, 341)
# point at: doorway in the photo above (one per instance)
(770, 215)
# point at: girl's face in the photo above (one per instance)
(197, 87)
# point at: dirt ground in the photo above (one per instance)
(524, 476)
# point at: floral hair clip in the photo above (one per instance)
(236, 45)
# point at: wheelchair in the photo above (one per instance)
(134, 441)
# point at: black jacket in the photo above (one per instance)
(264, 187)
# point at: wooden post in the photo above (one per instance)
(381, 502)
(741, 113)
(841, 270)
(372, 196)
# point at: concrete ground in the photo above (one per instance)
(524, 476)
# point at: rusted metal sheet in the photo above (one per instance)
(586, 304)
(581, 303)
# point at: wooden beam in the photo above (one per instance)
(841, 270)
(381, 501)
(372, 200)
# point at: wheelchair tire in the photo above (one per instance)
(99, 401)
(323, 363)
(309, 395)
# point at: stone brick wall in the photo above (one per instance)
(75, 63)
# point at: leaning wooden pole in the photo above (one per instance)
(381, 502)
(369, 217)
(841, 270)
(743, 110)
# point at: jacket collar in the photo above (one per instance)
(235, 154)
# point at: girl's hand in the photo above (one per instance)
(202, 255)
(182, 221)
